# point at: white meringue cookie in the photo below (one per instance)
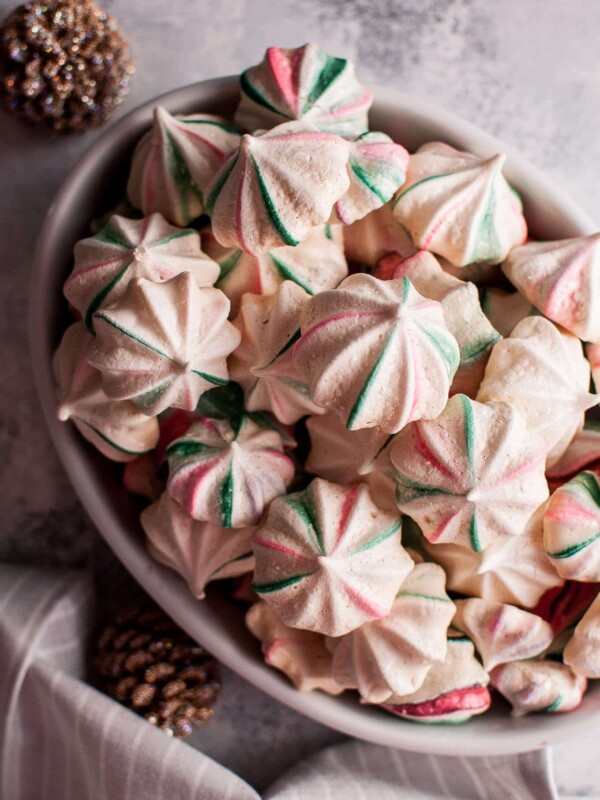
(584, 450)
(539, 685)
(506, 309)
(582, 652)
(369, 239)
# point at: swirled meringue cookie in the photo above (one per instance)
(328, 560)
(582, 652)
(262, 364)
(164, 344)
(562, 280)
(472, 476)
(392, 655)
(277, 186)
(316, 264)
(453, 691)
(539, 685)
(133, 248)
(506, 309)
(227, 472)
(501, 632)
(369, 239)
(301, 655)
(572, 528)
(199, 551)
(460, 206)
(583, 451)
(542, 371)
(174, 163)
(303, 83)
(377, 353)
(115, 427)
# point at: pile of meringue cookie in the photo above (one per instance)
(345, 377)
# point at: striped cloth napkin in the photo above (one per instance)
(60, 739)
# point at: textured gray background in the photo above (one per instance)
(525, 70)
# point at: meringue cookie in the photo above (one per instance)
(377, 353)
(472, 476)
(115, 427)
(277, 186)
(572, 528)
(542, 372)
(583, 451)
(328, 560)
(562, 280)
(506, 309)
(301, 655)
(174, 163)
(303, 83)
(582, 652)
(453, 690)
(460, 206)
(163, 344)
(316, 264)
(392, 655)
(262, 364)
(199, 551)
(367, 240)
(501, 632)
(539, 686)
(228, 472)
(129, 248)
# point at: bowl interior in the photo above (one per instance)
(93, 187)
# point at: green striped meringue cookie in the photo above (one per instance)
(538, 685)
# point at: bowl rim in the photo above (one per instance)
(499, 735)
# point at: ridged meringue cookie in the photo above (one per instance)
(329, 560)
(199, 551)
(301, 655)
(262, 364)
(471, 476)
(377, 353)
(303, 83)
(460, 206)
(369, 239)
(502, 632)
(562, 280)
(539, 685)
(453, 691)
(164, 344)
(572, 528)
(174, 163)
(277, 186)
(542, 372)
(115, 427)
(316, 264)
(227, 472)
(392, 656)
(377, 169)
(583, 451)
(506, 309)
(582, 652)
(133, 248)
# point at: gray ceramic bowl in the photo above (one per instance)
(93, 187)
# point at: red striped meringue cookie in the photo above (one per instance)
(369, 239)
(582, 652)
(125, 249)
(506, 309)
(453, 691)
(303, 83)
(164, 344)
(262, 364)
(115, 427)
(174, 163)
(377, 353)
(228, 471)
(539, 685)
(393, 655)
(316, 264)
(301, 655)
(200, 552)
(562, 280)
(328, 560)
(277, 186)
(472, 476)
(542, 371)
(501, 632)
(460, 206)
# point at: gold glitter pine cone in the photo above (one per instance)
(148, 664)
(63, 64)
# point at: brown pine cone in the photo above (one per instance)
(150, 665)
